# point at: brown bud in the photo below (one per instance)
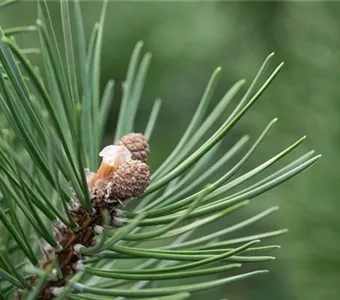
(130, 180)
(138, 145)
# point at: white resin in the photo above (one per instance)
(114, 155)
(56, 290)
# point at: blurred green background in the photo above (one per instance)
(188, 40)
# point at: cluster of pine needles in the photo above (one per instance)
(53, 119)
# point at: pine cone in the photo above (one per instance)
(138, 145)
(130, 180)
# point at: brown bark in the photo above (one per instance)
(67, 257)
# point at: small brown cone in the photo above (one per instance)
(138, 145)
(130, 180)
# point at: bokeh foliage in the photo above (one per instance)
(188, 40)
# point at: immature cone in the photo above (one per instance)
(129, 180)
(138, 145)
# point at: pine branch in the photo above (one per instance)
(63, 212)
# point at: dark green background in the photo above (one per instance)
(188, 40)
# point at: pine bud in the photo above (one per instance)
(113, 156)
(138, 145)
(129, 180)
